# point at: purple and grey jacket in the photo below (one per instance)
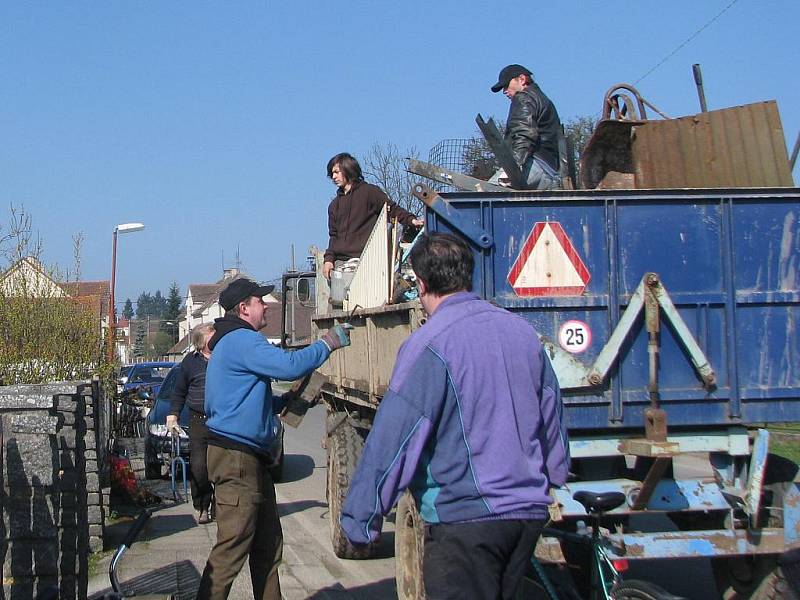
(471, 424)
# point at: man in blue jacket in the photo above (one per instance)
(241, 413)
(472, 425)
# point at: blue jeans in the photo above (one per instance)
(539, 175)
(536, 173)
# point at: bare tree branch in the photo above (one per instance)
(77, 247)
(384, 165)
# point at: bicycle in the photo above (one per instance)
(606, 581)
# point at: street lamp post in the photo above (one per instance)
(112, 314)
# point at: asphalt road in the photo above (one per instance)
(302, 503)
(301, 497)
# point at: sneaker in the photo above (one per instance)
(203, 517)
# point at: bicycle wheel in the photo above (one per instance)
(634, 589)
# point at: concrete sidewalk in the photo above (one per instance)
(171, 552)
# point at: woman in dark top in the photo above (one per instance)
(353, 212)
(190, 389)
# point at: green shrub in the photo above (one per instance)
(45, 335)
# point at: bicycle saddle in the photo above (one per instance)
(595, 502)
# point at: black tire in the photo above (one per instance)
(344, 448)
(409, 542)
(634, 589)
(752, 577)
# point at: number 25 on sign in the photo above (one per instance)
(574, 336)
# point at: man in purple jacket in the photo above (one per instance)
(472, 425)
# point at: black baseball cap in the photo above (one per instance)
(507, 74)
(241, 289)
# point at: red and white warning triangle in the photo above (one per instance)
(548, 264)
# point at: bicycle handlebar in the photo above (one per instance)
(130, 538)
(136, 528)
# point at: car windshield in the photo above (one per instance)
(169, 384)
(163, 402)
(149, 374)
(125, 371)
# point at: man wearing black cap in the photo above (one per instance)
(242, 426)
(533, 128)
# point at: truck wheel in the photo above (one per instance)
(754, 578)
(344, 448)
(409, 541)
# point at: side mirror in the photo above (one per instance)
(303, 290)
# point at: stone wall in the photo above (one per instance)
(53, 486)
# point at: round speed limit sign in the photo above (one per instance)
(574, 336)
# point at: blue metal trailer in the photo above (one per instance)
(729, 261)
(671, 318)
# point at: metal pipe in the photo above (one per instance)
(795, 151)
(112, 315)
(698, 81)
(284, 291)
(112, 320)
(651, 315)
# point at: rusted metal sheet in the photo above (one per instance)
(678, 544)
(742, 146)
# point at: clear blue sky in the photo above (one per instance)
(212, 122)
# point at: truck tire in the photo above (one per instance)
(753, 578)
(344, 448)
(409, 542)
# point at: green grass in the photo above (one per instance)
(94, 561)
(785, 441)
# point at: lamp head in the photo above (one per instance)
(128, 227)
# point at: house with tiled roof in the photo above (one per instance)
(123, 341)
(94, 294)
(28, 277)
(202, 306)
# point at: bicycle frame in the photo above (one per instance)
(603, 573)
(602, 567)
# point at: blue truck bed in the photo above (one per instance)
(728, 260)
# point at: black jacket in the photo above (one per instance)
(191, 385)
(223, 326)
(533, 127)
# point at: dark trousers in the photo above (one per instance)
(247, 525)
(202, 490)
(484, 560)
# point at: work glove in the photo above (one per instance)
(337, 337)
(172, 423)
